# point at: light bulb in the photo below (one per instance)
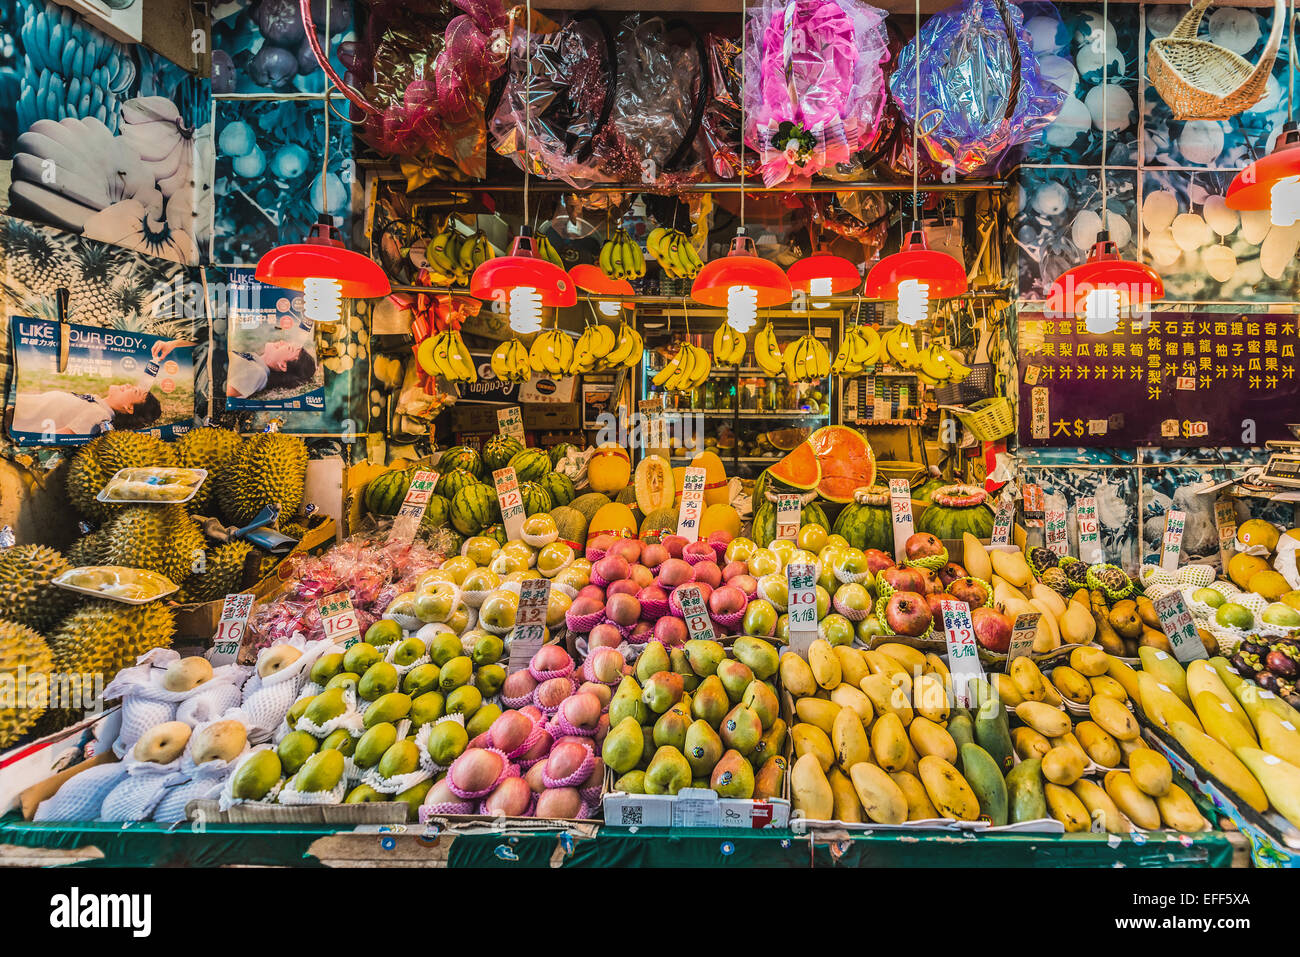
(607, 308)
(1284, 201)
(525, 310)
(322, 299)
(742, 308)
(913, 301)
(1101, 311)
(820, 288)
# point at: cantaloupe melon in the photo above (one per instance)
(572, 526)
(653, 482)
(715, 478)
(612, 519)
(719, 518)
(657, 524)
(609, 469)
(589, 504)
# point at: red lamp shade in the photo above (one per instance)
(592, 279)
(323, 256)
(945, 276)
(843, 275)
(1252, 188)
(522, 268)
(1137, 284)
(741, 267)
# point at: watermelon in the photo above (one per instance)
(845, 460)
(922, 492)
(498, 452)
(867, 521)
(530, 465)
(799, 469)
(558, 452)
(473, 508)
(385, 493)
(764, 527)
(956, 509)
(535, 497)
(461, 457)
(497, 532)
(560, 486)
(449, 483)
(437, 513)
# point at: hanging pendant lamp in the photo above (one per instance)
(823, 274)
(324, 271)
(743, 282)
(524, 282)
(605, 289)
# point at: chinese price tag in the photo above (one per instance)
(900, 506)
(339, 619)
(1034, 505)
(530, 622)
(1002, 520)
(788, 510)
(510, 423)
(1085, 517)
(1054, 519)
(801, 579)
(411, 513)
(1225, 519)
(1022, 636)
(963, 653)
(1171, 545)
(698, 623)
(511, 501)
(688, 517)
(1177, 624)
(230, 629)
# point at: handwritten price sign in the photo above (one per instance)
(1055, 531)
(789, 508)
(530, 622)
(1085, 516)
(1171, 546)
(1177, 624)
(1225, 520)
(510, 423)
(688, 517)
(339, 619)
(1022, 636)
(1002, 520)
(411, 513)
(230, 629)
(963, 653)
(511, 501)
(900, 507)
(698, 623)
(801, 580)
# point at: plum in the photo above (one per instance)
(223, 72)
(281, 22)
(340, 16)
(307, 62)
(273, 67)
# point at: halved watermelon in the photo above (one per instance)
(799, 468)
(845, 461)
(787, 440)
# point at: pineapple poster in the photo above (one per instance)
(98, 381)
(272, 361)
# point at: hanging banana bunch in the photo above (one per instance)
(673, 251)
(621, 257)
(859, 349)
(939, 365)
(546, 250)
(684, 371)
(766, 351)
(806, 359)
(510, 362)
(728, 346)
(899, 347)
(601, 348)
(451, 255)
(445, 354)
(551, 353)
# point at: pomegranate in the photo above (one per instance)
(907, 613)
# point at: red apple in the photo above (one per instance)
(907, 613)
(922, 545)
(950, 573)
(746, 583)
(628, 549)
(674, 544)
(674, 572)
(727, 600)
(701, 551)
(707, 572)
(641, 575)
(623, 608)
(624, 586)
(641, 628)
(601, 543)
(612, 568)
(654, 555)
(877, 561)
(604, 635)
(970, 590)
(992, 629)
(732, 569)
(671, 631)
(902, 578)
(653, 593)
(594, 592)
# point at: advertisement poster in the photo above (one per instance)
(112, 379)
(272, 361)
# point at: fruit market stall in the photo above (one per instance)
(464, 434)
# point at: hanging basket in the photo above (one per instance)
(1201, 81)
(988, 419)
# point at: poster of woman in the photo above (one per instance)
(271, 350)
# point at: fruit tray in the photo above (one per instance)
(131, 586)
(152, 485)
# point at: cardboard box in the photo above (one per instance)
(474, 418)
(539, 418)
(378, 812)
(32, 772)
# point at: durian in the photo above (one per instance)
(206, 448)
(103, 637)
(100, 458)
(22, 700)
(222, 574)
(160, 538)
(266, 469)
(26, 595)
(88, 550)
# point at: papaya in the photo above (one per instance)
(1025, 791)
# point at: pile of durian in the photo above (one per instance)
(45, 630)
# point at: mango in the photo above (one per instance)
(1160, 704)
(1166, 670)
(919, 807)
(373, 744)
(1006, 690)
(1100, 806)
(930, 698)
(1100, 746)
(849, 739)
(1028, 743)
(1277, 779)
(1201, 677)
(1113, 718)
(817, 712)
(1180, 812)
(810, 791)
(851, 698)
(1028, 679)
(1108, 686)
(1071, 684)
(365, 794)
(947, 789)
(1130, 799)
(889, 742)
(810, 739)
(1025, 797)
(379, 680)
(1278, 736)
(1044, 719)
(1126, 676)
(961, 729)
(1064, 805)
(908, 658)
(885, 697)
(984, 777)
(825, 664)
(927, 737)
(1062, 766)
(796, 676)
(1221, 763)
(853, 667)
(993, 735)
(881, 798)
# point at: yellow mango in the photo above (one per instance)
(1064, 805)
(947, 789)
(1138, 805)
(810, 791)
(881, 798)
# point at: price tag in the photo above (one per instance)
(963, 653)
(1022, 636)
(688, 517)
(801, 580)
(1085, 517)
(339, 619)
(1177, 624)
(1171, 545)
(530, 622)
(1225, 519)
(1055, 531)
(511, 501)
(789, 508)
(411, 513)
(698, 623)
(1034, 505)
(510, 422)
(900, 506)
(230, 629)
(1002, 521)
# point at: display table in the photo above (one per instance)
(154, 845)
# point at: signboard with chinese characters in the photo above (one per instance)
(789, 509)
(230, 629)
(1186, 379)
(688, 516)
(1178, 626)
(900, 506)
(801, 580)
(339, 619)
(511, 501)
(411, 514)
(530, 622)
(1171, 544)
(510, 422)
(1085, 516)
(696, 615)
(1055, 532)
(963, 652)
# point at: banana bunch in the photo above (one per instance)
(674, 253)
(898, 347)
(544, 248)
(551, 353)
(601, 348)
(728, 346)
(684, 371)
(938, 365)
(452, 255)
(859, 349)
(806, 359)
(621, 257)
(510, 362)
(445, 354)
(766, 351)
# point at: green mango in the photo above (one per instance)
(667, 773)
(392, 707)
(1025, 791)
(654, 658)
(429, 706)
(733, 776)
(622, 747)
(420, 679)
(703, 748)
(985, 779)
(326, 667)
(961, 729)
(447, 741)
(373, 744)
(993, 733)
(340, 740)
(402, 757)
(326, 706)
(322, 772)
(455, 672)
(380, 679)
(256, 776)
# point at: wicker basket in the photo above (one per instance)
(1201, 81)
(988, 419)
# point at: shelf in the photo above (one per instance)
(813, 186)
(719, 414)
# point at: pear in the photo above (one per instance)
(489, 679)
(373, 744)
(772, 742)
(360, 657)
(631, 783)
(622, 748)
(626, 702)
(188, 673)
(680, 664)
(762, 700)
(770, 778)
(429, 706)
(662, 691)
(653, 659)
(648, 746)
(379, 680)
(255, 777)
(326, 706)
(703, 748)
(273, 659)
(340, 740)
(326, 667)
(294, 749)
(668, 772)
(402, 757)
(710, 701)
(455, 672)
(1125, 620)
(671, 728)
(164, 743)
(322, 772)
(741, 729)
(298, 709)
(343, 680)
(219, 741)
(735, 676)
(465, 700)
(413, 797)
(733, 777)
(392, 707)
(443, 647)
(760, 655)
(409, 651)
(482, 719)
(487, 650)
(704, 656)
